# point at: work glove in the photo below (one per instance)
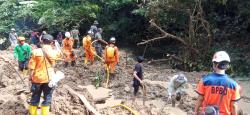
(52, 84)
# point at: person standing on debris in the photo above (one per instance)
(176, 87)
(67, 45)
(138, 76)
(93, 27)
(88, 49)
(59, 38)
(41, 66)
(111, 55)
(218, 94)
(75, 36)
(98, 45)
(35, 39)
(22, 53)
(13, 37)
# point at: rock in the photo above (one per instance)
(100, 94)
(127, 89)
(157, 83)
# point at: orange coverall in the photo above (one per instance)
(88, 49)
(111, 62)
(68, 49)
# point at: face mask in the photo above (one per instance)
(222, 65)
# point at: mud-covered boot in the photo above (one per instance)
(73, 63)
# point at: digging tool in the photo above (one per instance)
(126, 107)
(144, 90)
(12, 67)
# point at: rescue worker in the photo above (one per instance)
(75, 36)
(111, 56)
(41, 66)
(22, 54)
(59, 38)
(218, 94)
(93, 27)
(13, 37)
(176, 87)
(138, 76)
(88, 49)
(100, 41)
(67, 45)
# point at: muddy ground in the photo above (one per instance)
(14, 95)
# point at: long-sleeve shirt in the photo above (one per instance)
(22, 52)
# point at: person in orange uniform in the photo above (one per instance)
(41, 65)
(218, 94)
(111, 55)
(88, 49)
(67, 45)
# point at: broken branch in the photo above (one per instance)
(165, 36)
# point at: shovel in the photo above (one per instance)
(144, 90)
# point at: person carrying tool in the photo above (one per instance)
(67, 45)
(100, 41)
(22, 54)
(218, 94)
(13, 37)
(138, 76)
(41, 65)
(88, 49)
(176, 87)
(111, 56)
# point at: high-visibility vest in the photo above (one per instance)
(87, 41)
(110, 52)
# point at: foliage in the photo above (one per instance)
(206, 25)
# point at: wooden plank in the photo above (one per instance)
(83, 99)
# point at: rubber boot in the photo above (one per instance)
(85, 61)
(32, 110)
(45, 110)
(66, 64)
(73, 63)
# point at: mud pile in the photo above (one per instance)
(14, 96)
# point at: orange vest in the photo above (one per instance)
(111, 54)
(37, 63)
(86, 41)
(68, 43)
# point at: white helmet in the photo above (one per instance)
(13, 29)
(221, 56)
(90, 32)
(67, 34)
(112, 40)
